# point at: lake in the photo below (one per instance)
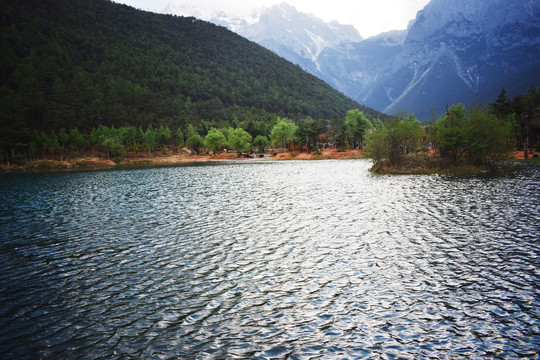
(259, 260)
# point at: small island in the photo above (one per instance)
(462, 142)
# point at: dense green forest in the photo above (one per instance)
(71, 66)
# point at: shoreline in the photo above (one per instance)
(143, 160)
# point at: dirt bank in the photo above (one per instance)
(91, 162)
(324, 154)
(185, 157)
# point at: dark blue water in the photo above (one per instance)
(299, 260)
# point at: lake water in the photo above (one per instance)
(298, 260)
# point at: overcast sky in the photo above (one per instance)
(370, 17)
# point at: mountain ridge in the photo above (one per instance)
(453, 51)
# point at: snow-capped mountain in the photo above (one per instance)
(454, 51)
(199, 11)
(282, 28)
(298, 37)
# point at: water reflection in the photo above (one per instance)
(269, 260)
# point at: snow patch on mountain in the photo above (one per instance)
(279, 27)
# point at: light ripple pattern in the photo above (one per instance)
(298, 260)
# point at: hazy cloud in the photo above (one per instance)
(368, 16)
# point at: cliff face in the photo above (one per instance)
(458, 51)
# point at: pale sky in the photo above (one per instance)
(369, 17)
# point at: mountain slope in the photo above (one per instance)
(356, 67)
(81, 63)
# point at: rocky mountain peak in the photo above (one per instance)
(465, 18)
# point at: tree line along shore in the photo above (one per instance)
(248, 137)
(463, 140)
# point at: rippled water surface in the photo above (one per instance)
(297, 260)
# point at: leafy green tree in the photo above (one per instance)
(179, 137)
(395, 139)
(239, 140)
(163, 136)
(502, 105)
(149, 138)
(411, 133)
(52, 144)
(256, 128)
(107, 140)
(36, 143)
(376, 142)
(43, 143)
(474, 137)
(191, 130)
(308, 129)
(129, 137)
(224, 129)
(195, 143)
(448, 134)
(77, 140)
(261, 142)
(488, 136)
(215, 141)
(282, 131)
(99, 135)
(113, 147)
(357, 125)
(63, 138)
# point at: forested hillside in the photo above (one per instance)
(80, 64)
